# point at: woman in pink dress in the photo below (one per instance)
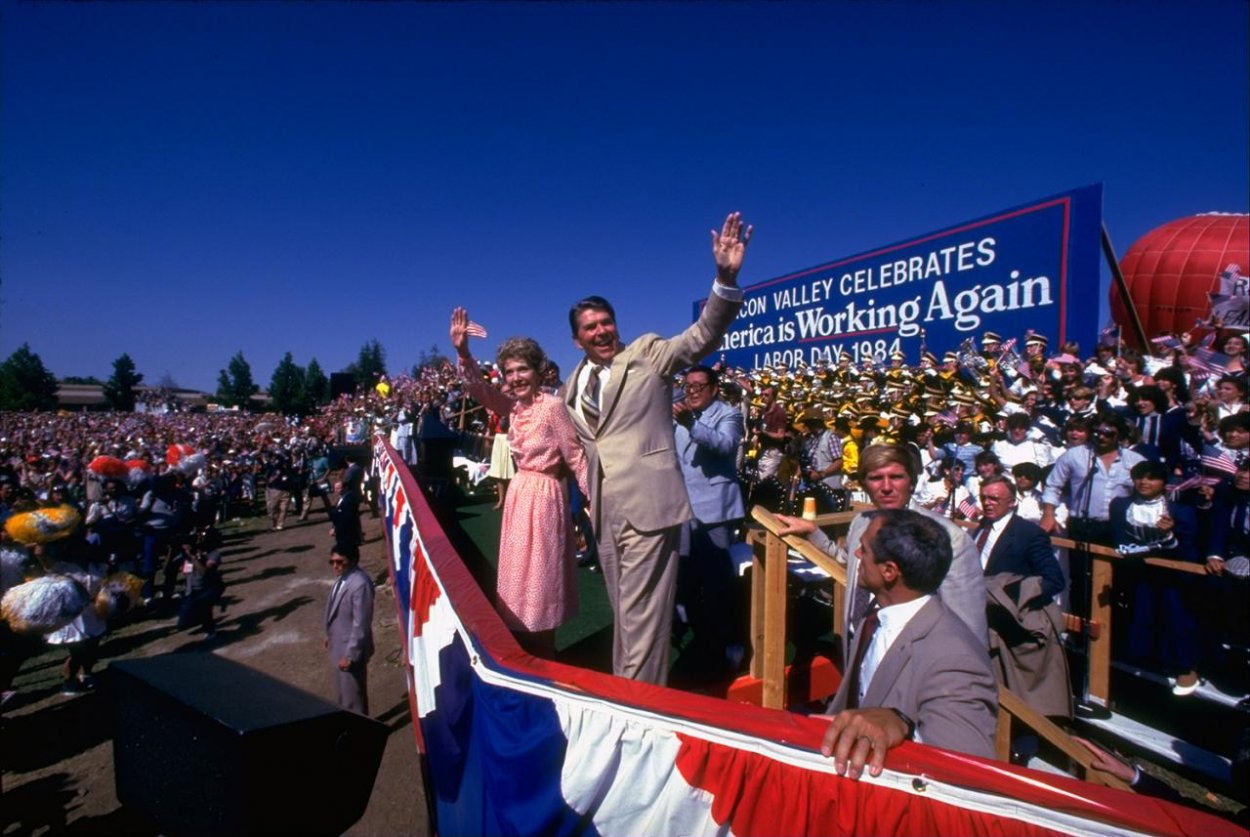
(536, 589)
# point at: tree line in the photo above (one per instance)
(26, 384)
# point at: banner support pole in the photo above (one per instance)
(1108, 250)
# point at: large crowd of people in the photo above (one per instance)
(155, 522)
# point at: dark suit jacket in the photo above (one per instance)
(938, 674)
(345, 518)
(1024, 549)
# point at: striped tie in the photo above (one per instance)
(590, 398)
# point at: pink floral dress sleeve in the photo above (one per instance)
(570, 446)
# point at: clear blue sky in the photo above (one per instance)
(181, 181)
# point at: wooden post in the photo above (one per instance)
(1002, 734)
(774, 622)
(1100, 646)
(757, 612)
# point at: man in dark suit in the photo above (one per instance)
(1011, 544)
(1022, 578)
(345, 517)
(916, 669)
(708, 432)
(349, 628)
(620, 398)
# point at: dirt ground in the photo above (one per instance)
(56, 751)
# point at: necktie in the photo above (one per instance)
(860, 605)
(871, 623)
(982, 538)
(338, 585)
(590, 398)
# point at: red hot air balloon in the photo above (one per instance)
(1171, 269)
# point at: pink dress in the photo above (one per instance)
(536, 588)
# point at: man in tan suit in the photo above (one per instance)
(621, 400)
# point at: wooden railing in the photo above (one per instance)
(1012, 708)
(768, 596)
(1102, 571)
(1098, 623)
(768, 629)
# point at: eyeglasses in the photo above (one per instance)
(697, 388)
(337, 562)
(1106, 431)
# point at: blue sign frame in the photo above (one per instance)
(1034, 267)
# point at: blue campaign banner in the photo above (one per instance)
(1031, 268)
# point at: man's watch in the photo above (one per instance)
(908, 722)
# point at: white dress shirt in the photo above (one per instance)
(996, 530)
(891, 622)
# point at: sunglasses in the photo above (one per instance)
(337, 562)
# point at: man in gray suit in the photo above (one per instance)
(916, 671)
(620, 398)
(889, 473)
(349, 628)
(708, 433)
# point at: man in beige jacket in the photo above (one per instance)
(621, 399)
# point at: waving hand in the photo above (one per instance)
(729, 247)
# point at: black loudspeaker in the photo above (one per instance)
(206, 746)
(342, 383)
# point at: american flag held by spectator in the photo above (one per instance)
(1218, 460)
(1174, 491)
(1208, 362)
(968, 507)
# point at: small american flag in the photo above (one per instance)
(475, 330)
(967, 507)
(946, 417)
(1174, 491)
(1218, 460)
(1209, 362)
